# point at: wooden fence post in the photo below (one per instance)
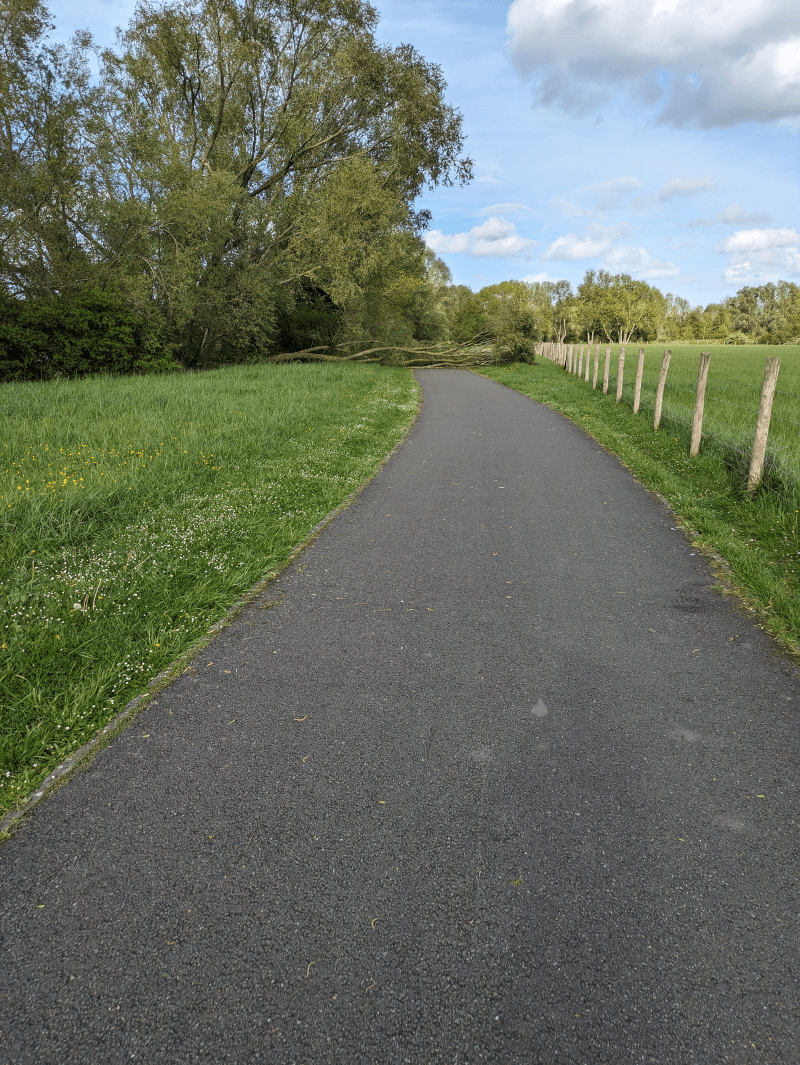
(569, 358)
(662, 380)
(596, 364)
(580, 362)
(606, 370)
(762, 425)
(588, 362)
(637, 392)
(620, 369)
(699, 402)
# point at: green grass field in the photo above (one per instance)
(135, 511)
(756, 536)
(732, 393)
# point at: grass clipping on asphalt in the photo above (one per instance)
(756, 537)
(136, 511)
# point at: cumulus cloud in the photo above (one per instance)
(532, 279)
(732, 215)
(758, 254)
(496, 236)
(627, 259)
(713, 64)
(595, 240)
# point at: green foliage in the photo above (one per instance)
(514, 320)
(465, 313)
(618, 307)
(84, 332)
(232, 156)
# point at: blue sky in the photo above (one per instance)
(658, 138)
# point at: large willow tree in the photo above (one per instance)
(231, 156)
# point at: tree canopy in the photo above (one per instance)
(231, 160)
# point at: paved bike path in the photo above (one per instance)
(499, 779)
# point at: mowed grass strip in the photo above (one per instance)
(757, 537)
(136, 511)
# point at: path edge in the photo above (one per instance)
(724, 576)
(81, 759)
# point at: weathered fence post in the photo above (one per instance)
(606, 369)
(588, 362)
(699, 402)
(620, 369)
(662, 380)
(596, 364)
(637, 392)
(762, 425)
(580, 362)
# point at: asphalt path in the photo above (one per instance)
(499, 778)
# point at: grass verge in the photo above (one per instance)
(136, 511)
(756, 537)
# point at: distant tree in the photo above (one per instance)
(619, 307)
(465, 312)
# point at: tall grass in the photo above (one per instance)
(135, 511)
(732, 394)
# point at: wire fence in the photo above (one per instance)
(731, 411)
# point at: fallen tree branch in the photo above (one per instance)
(473, 352)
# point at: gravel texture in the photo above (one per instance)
(499, 779)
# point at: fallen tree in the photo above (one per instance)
(475, 352)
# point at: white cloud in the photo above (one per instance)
(717, 63)
(595, 240)
(761, 254)
(677, 188)
(606, 194)
(609, 193)
(570, 209)
(761, 241)
(627, 259)
(504, 208)
(492, 176)
(496, 236)
(732, 215)
(682, 187)
(532, 279)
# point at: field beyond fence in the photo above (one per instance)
(732, 396)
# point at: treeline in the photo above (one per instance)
(233, 179)
(618, 309)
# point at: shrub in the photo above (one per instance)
(85, 332)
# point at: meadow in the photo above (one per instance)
(755, 536)
(134, 511)
(732, 394)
